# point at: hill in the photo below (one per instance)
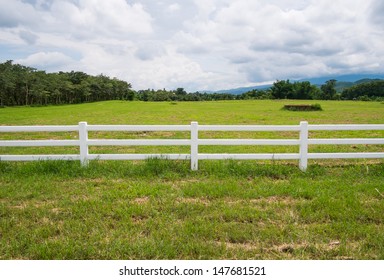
(343, 82)
(241, 90)
(340, 85)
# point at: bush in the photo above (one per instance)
(303, 107)
(364, 98)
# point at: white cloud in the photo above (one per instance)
(174, 7)
(149, 50)
(196, 44)
(16, 13)
(28, 37)
(377, 11)
(97, 18)
(47, 60)
(271, 39)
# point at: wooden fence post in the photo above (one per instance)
(303, 162)
(83, 137)
(194, 146)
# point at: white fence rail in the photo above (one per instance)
(194, 142)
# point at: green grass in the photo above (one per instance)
(219, 112)
(159, 209)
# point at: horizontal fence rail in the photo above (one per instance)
(193, 142)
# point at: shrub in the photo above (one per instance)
(303, 107)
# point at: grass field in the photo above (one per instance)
(219, 112)
(159, 209)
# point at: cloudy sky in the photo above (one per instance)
(195, 44)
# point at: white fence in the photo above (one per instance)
(194, 142)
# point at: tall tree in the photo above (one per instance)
(328, 90)
(281, 89)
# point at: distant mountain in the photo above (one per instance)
(362, 81)
(340, 86)
(242, 89)
(344, 78)
(346, 81)
(343, 81)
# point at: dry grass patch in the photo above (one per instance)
(192, 200)
(138, 219)
(237, 246)
(19, 207)
(279, 200)
(141, 200)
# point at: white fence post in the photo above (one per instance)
(83, 137)
(303, 162)
(194, 146)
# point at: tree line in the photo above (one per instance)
(25, 86)
(367, 91)
(279, 90)
(21, 85)
(181, 95)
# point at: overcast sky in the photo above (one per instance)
(195, 44)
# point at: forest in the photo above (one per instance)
(22, 86)
(26, 86)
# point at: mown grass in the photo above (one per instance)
(219, 112)
(159, 209)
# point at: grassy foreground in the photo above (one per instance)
(159, 209)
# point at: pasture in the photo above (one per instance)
(159, 209)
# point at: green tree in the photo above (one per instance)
(328, 90)
(303, 90)
(7, 83)
(371, 90)
(281, 89)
